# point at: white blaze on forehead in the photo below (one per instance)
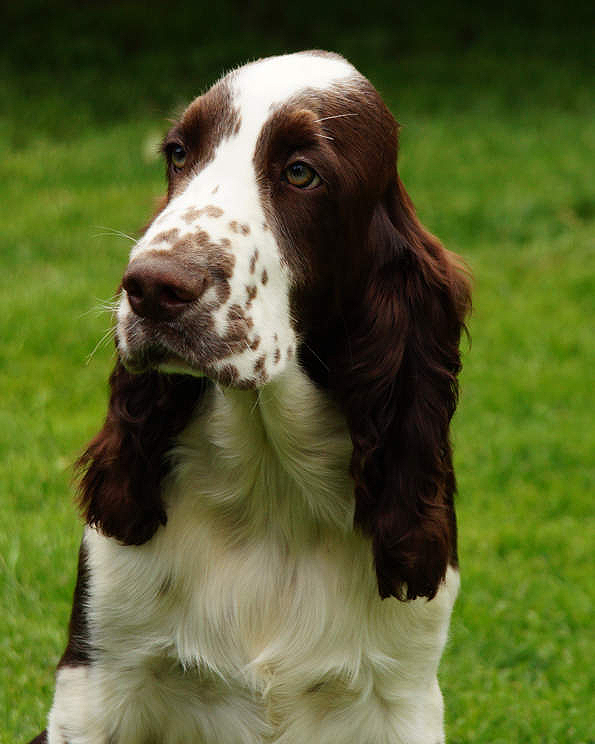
(261, 86)
(229, 180)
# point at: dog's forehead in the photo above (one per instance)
(272, 81)
(242, 101)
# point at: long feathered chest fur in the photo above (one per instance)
(256, 607)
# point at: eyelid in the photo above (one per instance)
(168, 149)
(298, 157)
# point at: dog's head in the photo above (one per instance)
(272, 179)
(287, 237)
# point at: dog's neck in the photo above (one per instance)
(276, 456)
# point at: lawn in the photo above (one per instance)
(498, 154)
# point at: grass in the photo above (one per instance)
(497, 151)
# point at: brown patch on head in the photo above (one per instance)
(277, 356)
(265, 277)
(252, 264)
(348, 136)
(208, 121)
(245, 229)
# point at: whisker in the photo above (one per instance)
(256, 405)
(336, 116)
(110, 333)
(103, 306)
(311, 350)
(112, 231)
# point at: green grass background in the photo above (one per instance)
(498, 153)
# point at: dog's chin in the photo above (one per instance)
(176, 366)
(162, 360)
(158, 359)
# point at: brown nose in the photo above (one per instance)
(159, 288)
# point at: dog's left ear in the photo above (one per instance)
(397, 383)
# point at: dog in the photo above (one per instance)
(270, 544)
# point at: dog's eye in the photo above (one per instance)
(177, 156)
(302, 176)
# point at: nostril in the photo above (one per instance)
(171, 294)
(133, 288)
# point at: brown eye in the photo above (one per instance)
(177, 156)
(302, 176)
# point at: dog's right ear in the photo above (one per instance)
(124, 465)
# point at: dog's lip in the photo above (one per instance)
(154, 357)
(178, 366)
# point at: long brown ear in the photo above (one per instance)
(398, 387)
(123, 466)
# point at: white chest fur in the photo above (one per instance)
(253, 616)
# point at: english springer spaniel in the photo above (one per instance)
(270, 550)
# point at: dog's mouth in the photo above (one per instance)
(150, 357)
(179, 348)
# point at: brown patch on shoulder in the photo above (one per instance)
(252, 264)
(245, 229)
(265, 277)
(277, 356)
(255, 344)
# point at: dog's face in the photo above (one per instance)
(271, 176)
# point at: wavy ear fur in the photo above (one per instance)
(398, 388)
(123, 466)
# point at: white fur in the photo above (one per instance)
(253, 616)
